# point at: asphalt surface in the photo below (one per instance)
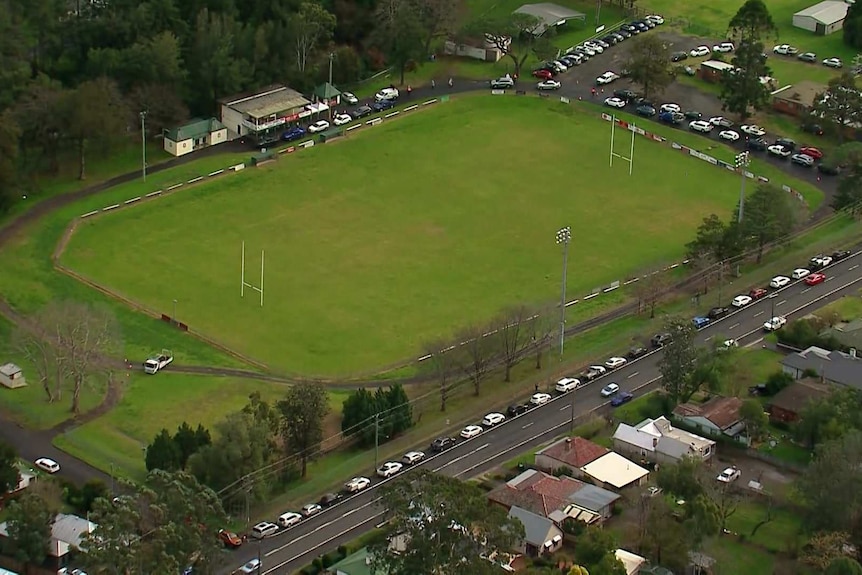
(291, 549)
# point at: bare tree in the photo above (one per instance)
(538, 328)
(475, 354)
(650, 290)
(513, 336)
(35, 348)
(442, 360)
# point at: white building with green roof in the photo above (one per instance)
(193, 136)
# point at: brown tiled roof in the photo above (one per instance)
(721, 411)
(529, 500)
(794, 397)
(574, 451)
(539, 493)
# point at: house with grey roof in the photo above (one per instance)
(658, 441)
(849, 333)
(68, 532)
(541, 536)
(549, 15)
(835, 367)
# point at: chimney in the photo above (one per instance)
(568, 444)
(853, 352)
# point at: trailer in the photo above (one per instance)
(158, 362)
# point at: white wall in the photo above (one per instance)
(233, 121)
(218, 137)
(805, 22)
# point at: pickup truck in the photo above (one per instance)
(158, 362)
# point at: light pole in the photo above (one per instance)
(331, 57)
(740, 162)
(564, 236)
(376, 438)
(144, 143)
(772, 306)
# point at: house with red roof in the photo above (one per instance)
(570, 453)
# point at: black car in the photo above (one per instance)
(610, 39)
(624, 32)
(841, 254)
(661, 339)
(442, 444)
(829, 169)
(787, 143)
(361, 112)
(717, 312)
(630, 29)
(758, 144)
(645, 111)
(330, 499)
(637, 352)
(692, 115)
(618, 36)
(815, 129)
(627, 95)
(516, 410)
(382, 105)
(678, 56)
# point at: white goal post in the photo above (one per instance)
(630, 159)
(244, 284)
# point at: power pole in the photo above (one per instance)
(144, 143)
(376, 437)
(331, 57)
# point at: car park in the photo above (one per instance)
(47, 465)
(621, 398)
(799, 273)
(717, 313)
(341, 119)
(330, 499)
(833, 63)
(700, 322)
(645, 111)
(386, 94)
(661, 339)
(787, 143)
(389, 469)
(808, 57)
(627, 95)
(361, 112)
(293, 133)
(778, 151)
(493, 419)
(442, 444)
(616, 362)
(741, 301)
(753, 130)
(699, 51)
(785, 50)
(700, 126)
(678, 56)
(723, 48)
(779, 282)
(543, 74)
(516, 410)
(349, 98)
(567, 384)
(607, 78)
(774, 323)
(757, 144)
(540, 398)
(674, 118)
(560, 66)
(802, 160)
(413, 457)
(728, 135)
(252, 567)
(637, 352)
(288, 519)
(654, 18)
(610, 389)
(264, 529)
(813, 152)
(757, 293)
(729, 475)
(614, 102)
(815, 278)
(693, 115)
(357, 484)
(503, 83)
(310, 509)
(318, 126)
(721, 122)
(229, 539)
(546, 85)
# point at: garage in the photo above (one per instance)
(823, 18)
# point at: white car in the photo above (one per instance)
(548, 85)
(699, 51)
(655, 18)
(753, 130)
(341, 119)
(289, 519)
(493, 419)
(471, 431)
(610, 389)
(779, 150)
(779, 282)
(598, 370)
(832, 63)
(802, 160)
(560, 66)
(311, 509)
(540, 398)
(616, 362)
(670, 108)
(720, 121)
(728, 135)
(701, 126)
(785, 50)
(775, 323)
(588, 49)
(386, 94)
(349, 98)
(357, 484)
(729, 344)
(607, 78)
(597, 48)
(741, 301)
(318, 126)
(48, 465)
(264, 529)
(567, 384)
(821, 260)
(729, 475)
(800, 273)
(389, 469)
(252, 567)
(615, 102)
(723, 48)
(412, 457)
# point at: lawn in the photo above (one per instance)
(846, 309)
(415, 238)
(778, 535)
(735, 557)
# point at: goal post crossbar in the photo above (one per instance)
(244, 284)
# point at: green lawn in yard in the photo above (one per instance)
(751, 366)
(407, 239)
(646, 406)
(846, 309)
(734, 557)
(777, 535)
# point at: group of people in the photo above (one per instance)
(434, 83)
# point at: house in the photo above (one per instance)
(632, 562)
(357, 563)
(193, 136)
(615, 471)
(541, 536)
(797, 99)
(571, 453)
(486, 49)
(12, 376)
(549, 15)
(848, 333)
(713, 70)
(822, 18)
(835, 367)
(263, 115)
(67, 534)
(786, 405)
(716, 417)
(657, 441)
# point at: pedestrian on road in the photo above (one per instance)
(593, 92)
(409, 90)
(450, 82)
(433, 84)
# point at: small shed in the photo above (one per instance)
(11, 376)
(798, 99)
(549, 15)
(822, 18)
(328, 93)
(193, 136)
(713, 70)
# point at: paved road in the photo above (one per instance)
(291, 549)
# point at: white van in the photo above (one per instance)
(264, 529)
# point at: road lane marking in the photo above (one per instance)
(459, 458)
(850, 269)
(528, 425)
(805, 290)
(830, 278)
(758, 314)
(753, 343)
(565, 407)
(733, 326)
(781, 302)
(632, 375)
(708, 338)
(303, 536)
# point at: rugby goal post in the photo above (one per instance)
(630, 158)
(244, 284)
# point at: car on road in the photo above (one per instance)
(610, 389)
(785, 50)
(294, 133)
(607, 78)
(700, 322)
(757, 293)
(779, 282)
(493, 419)
(252, 567)
(341, 119)
(357, 484)
(567, 384)
(615, 102)
(330, 499)
(753, 130)
(382, 105)
(540, 398)
(389, 469)
(548, 85)
(670, 107)
(813, 152)
(721, 122)
(310, 509)
(757, 144)
(717, 313)
(699, 51)
(723, 48)
(318, 126)
(803, 160)
(516, 410)
(775, 323)
(386, 94)
(637, 352)
(264, 529)
(48, 465)
(595, 371)
(645, 110)
(412, 457)
(799, 273)
(349, 98)
(543, 74)
(621, 398)
(729, 475)
(729, 344)
(361, 112)
(661, 339)
(616, 362)
(503, 83)
(815, 278)
(442, 444)
(833, 63)
(810, 57)
(678, 56)
(729, 135)
(229, 539)
(289, 519)
(779, 151)
(741, 301)
(471, 431)
(819, 261)
(700, 126)
(841, 254)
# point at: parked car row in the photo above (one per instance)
(810, 57)
(383, 100)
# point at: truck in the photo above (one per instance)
(158, 362)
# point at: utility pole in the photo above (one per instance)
(720, 279)
(564, 236)
(598, 11)
(376, 437)
(331, 58)
(144, 143)
(741, 162)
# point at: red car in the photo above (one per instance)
(229, 538)
(813, 152)
(815, 279)
(757, 293)
(543, 74)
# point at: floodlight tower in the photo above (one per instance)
(564, 237)
(740, 162)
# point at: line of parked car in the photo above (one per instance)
(728, 47)
(810, 57)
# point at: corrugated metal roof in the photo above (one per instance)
(826, 13)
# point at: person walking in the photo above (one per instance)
(451, 83)
(433, 84)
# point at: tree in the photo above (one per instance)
(715, 241)
(828, 418)
(29, 527)
(681, 479)
(538, 330)
(752, 23)
(756, 420)
(741, 88)
(824, 547)
(399, 412)
(679, 361)
(513, 35)
(651, 288)
(475, 354)
(840, 105)
(9, 136)
(593, 545)
(357, 416)
(311, 27)
(852, 27)
(304, 408)
(442, 361)
(608, 565)
(158, 527)
(445, 525)
(664, 540)
(439, 18)
(399, 33)
(844, 566)
(849, 194)
(578, 570)
(188, 441)
(163, 453)
(512, 336)
(9, 475)
(768, 216)
(650, 65)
